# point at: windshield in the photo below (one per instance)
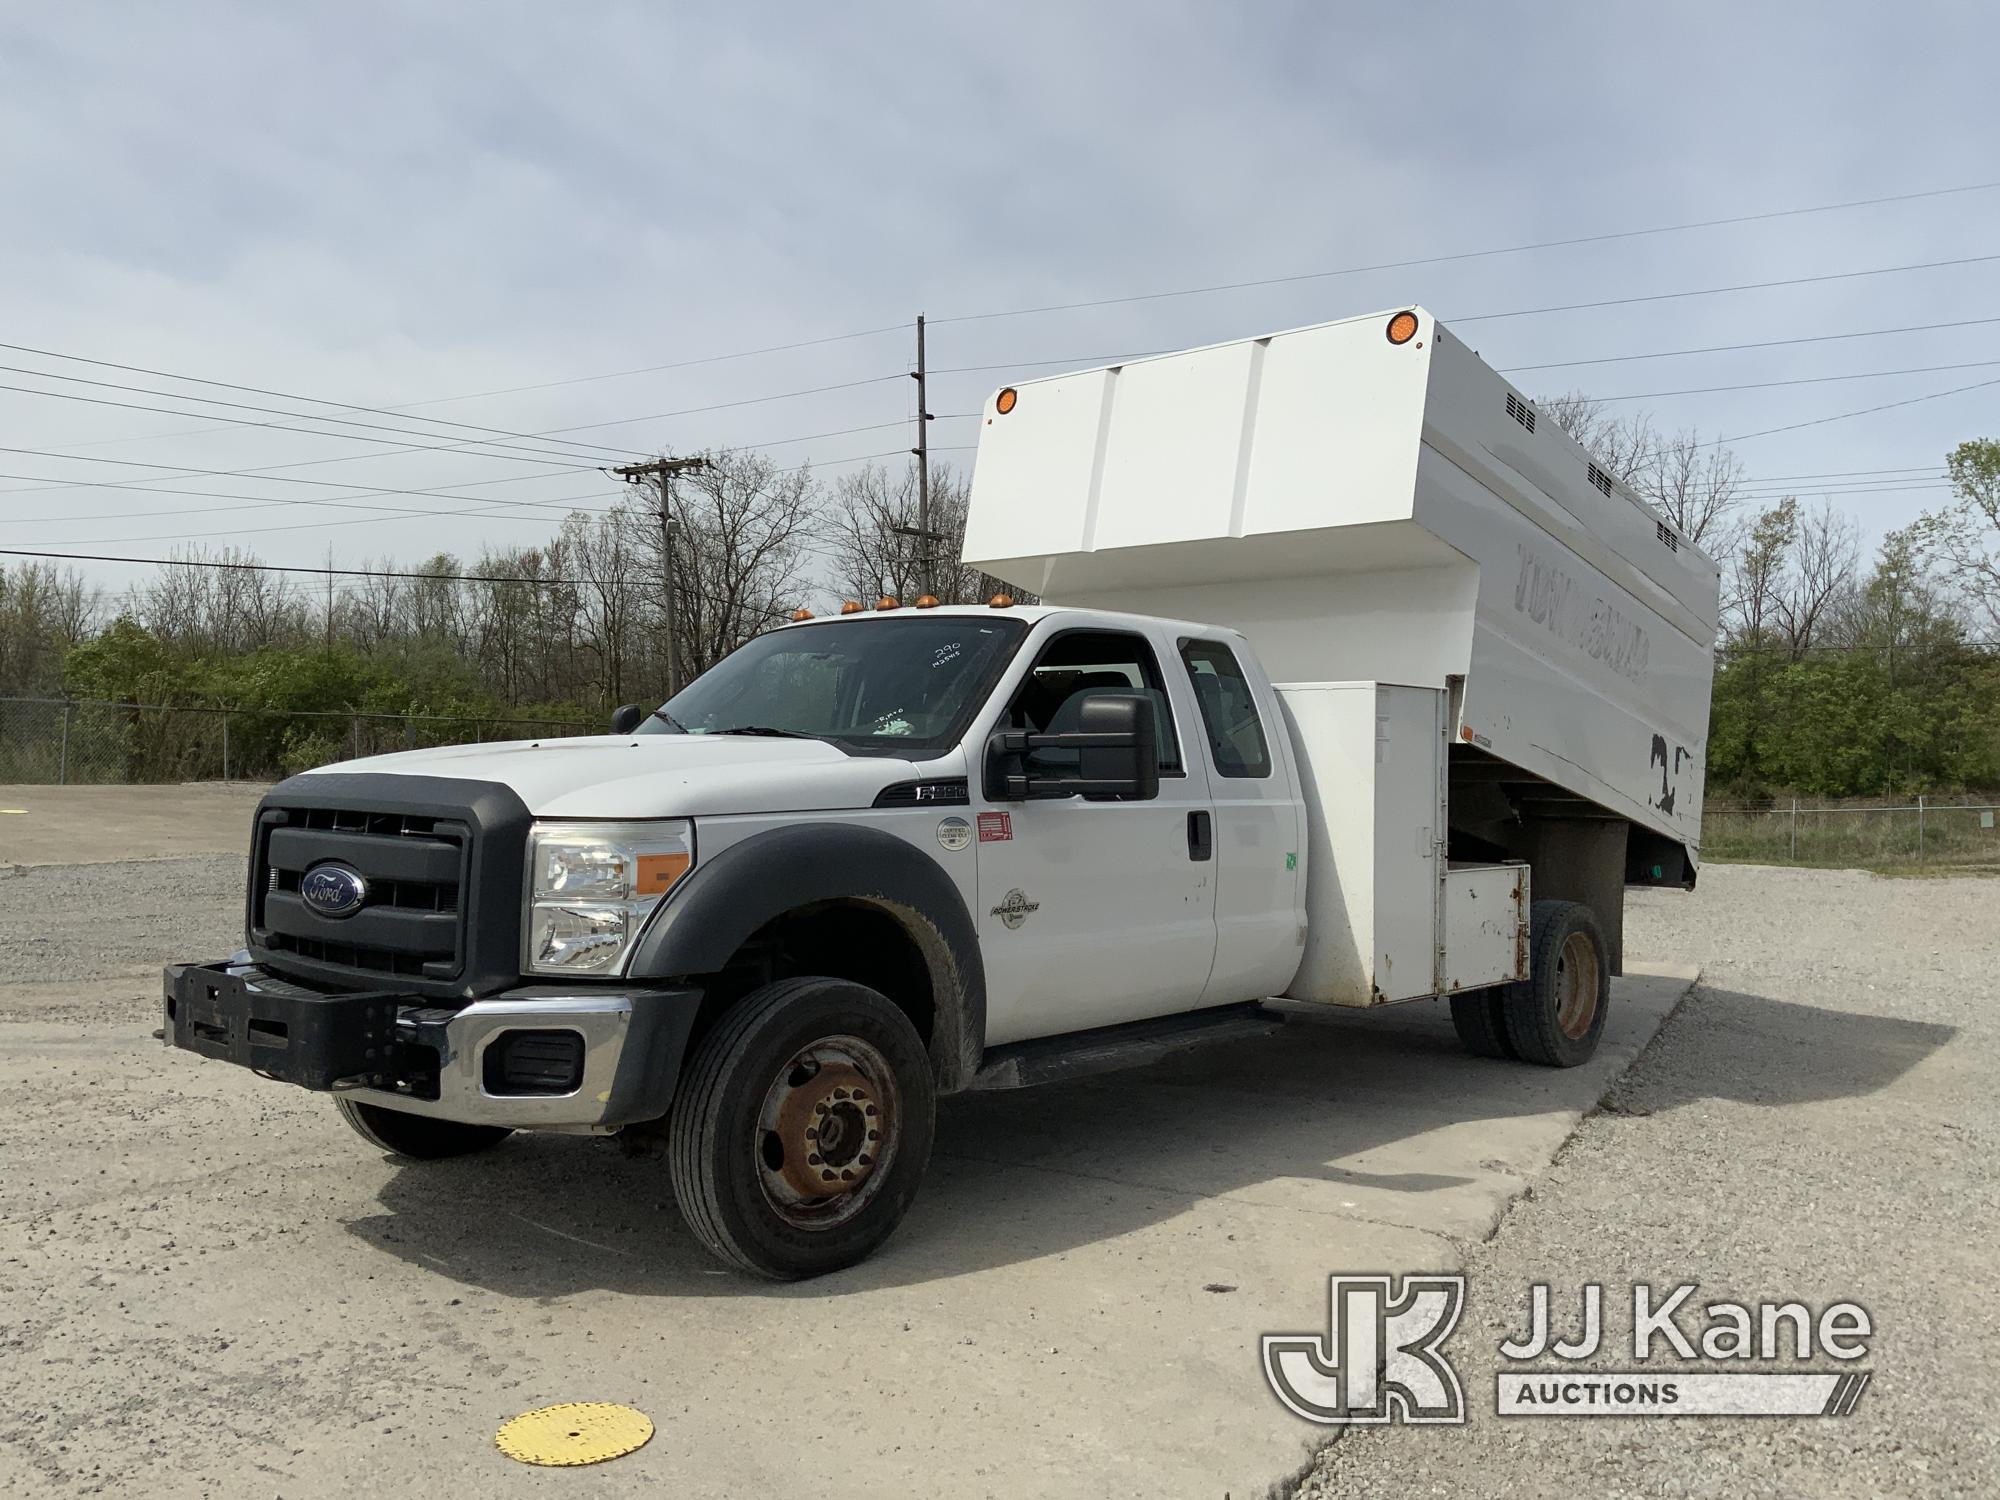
(902, 686)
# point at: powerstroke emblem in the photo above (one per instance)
(333, 890)
(1016, 909)
(1380, 1358)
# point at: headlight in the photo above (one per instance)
(590, 887)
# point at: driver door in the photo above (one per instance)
(1092, 912)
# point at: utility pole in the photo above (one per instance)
(925, 537)
(661, 472)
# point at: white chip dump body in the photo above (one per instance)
(1369, 511)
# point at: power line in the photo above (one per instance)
(1821, 338)
(689, 411)
(1763, 385)
(1433, 260)
(256, 390)
(271, 472)
(268, 469)
(412, 515)
(515, 455)
(41, 482)
(683, 364)
(1863, 412)
(1716, 291)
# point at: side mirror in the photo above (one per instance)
(626, 719)
(1117, 745)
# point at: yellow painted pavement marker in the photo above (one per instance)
(576, 1432)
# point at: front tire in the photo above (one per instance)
(418, 1137)
(1556, 1015)
(802, 1127)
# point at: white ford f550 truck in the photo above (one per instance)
(1366, 685)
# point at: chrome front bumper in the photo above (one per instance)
(402, 1054)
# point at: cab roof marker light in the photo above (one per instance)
(885, 602)
(802, 614)
(851, 607)
(1001, 601)
(927, 601)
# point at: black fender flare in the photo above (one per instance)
(726, 899)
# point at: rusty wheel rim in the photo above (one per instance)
(1576, 986)
(827, 1131)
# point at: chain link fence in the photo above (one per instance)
(1953, 832)
(56, 741)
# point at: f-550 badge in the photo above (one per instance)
(1016, 908)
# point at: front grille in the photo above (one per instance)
(409, 926)
(441, 857)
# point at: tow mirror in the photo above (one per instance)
(1117, 745)
(627, 718)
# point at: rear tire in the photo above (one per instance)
(418, 1137)
(801, 1128)
(1481, 1024)
(1555, 1016)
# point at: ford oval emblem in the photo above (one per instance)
(333, 890)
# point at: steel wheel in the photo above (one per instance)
(801, 1127)
(827, 1132)
(1576, 986)
(1555, 1016)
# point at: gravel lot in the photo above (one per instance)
(1817, 1121)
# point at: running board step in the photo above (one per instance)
(1079, 1054)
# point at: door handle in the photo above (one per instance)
(1201, 836)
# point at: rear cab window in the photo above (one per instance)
(1228, 704)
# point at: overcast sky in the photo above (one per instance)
(395, 203)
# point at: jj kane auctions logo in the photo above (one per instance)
(1382, 1357)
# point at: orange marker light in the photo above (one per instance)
(851, 607)
(1002, 601)
(802, 614)
(927, 601)
(1004, 402)
(885, 602)
(1402, 328)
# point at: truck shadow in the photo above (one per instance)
(1379, 1118)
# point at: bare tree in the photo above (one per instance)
(43, 612)
(1756, 577)
(866, 528)
(743, 525)
(875, 558)
(1693, 483)
(1699, 486)
(1824, 551)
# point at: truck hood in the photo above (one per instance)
(658, 775)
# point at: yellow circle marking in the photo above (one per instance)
(576, 1432)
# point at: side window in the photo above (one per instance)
(1070, 670)
(1228, 710)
